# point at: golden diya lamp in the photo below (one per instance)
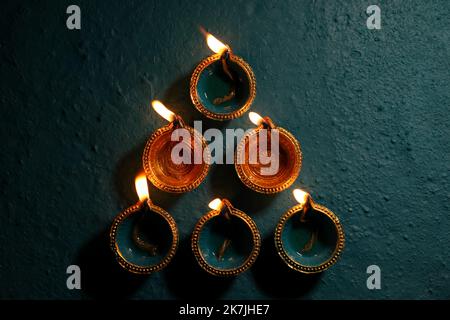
(144, 237)
(225, 241)
(268, 158)
(223, 86)
(176, 157)
(309, 237)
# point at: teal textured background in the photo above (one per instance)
(369, 107)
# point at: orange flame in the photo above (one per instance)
(216, 204)
(214, 44)
(163, 111)
(301, 196)
(255, 118)
(141, 187)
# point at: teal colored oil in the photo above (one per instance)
(153, 229)
(214, 83)
(213, 235)
(296, 235)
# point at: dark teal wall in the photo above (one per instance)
(370, 109)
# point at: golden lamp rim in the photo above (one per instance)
(226, 272)
(162, 185)
(194, 93)
(129, 266)
(296, 265)
(268, 190)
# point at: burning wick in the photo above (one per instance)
(304, 199)
(218, 205)
(255, 118)
(225, 51)
(142, 191)
(266, 122)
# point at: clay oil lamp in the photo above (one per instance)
(309, 237)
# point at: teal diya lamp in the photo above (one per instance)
(223, 86)
(309, 237)
(144, 237)
(225, 241)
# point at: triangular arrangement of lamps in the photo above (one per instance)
(225, 241)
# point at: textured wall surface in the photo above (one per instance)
(369, 107)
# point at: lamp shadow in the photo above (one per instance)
(102, 277)
(125, 172)
(185, 278)
(225, 183)
(275, 278)
(127, 169)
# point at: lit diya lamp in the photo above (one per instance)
(144, 237)
(309, 237)
(176, 157)
(225, 241)
(269, 158)
(223, 85)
